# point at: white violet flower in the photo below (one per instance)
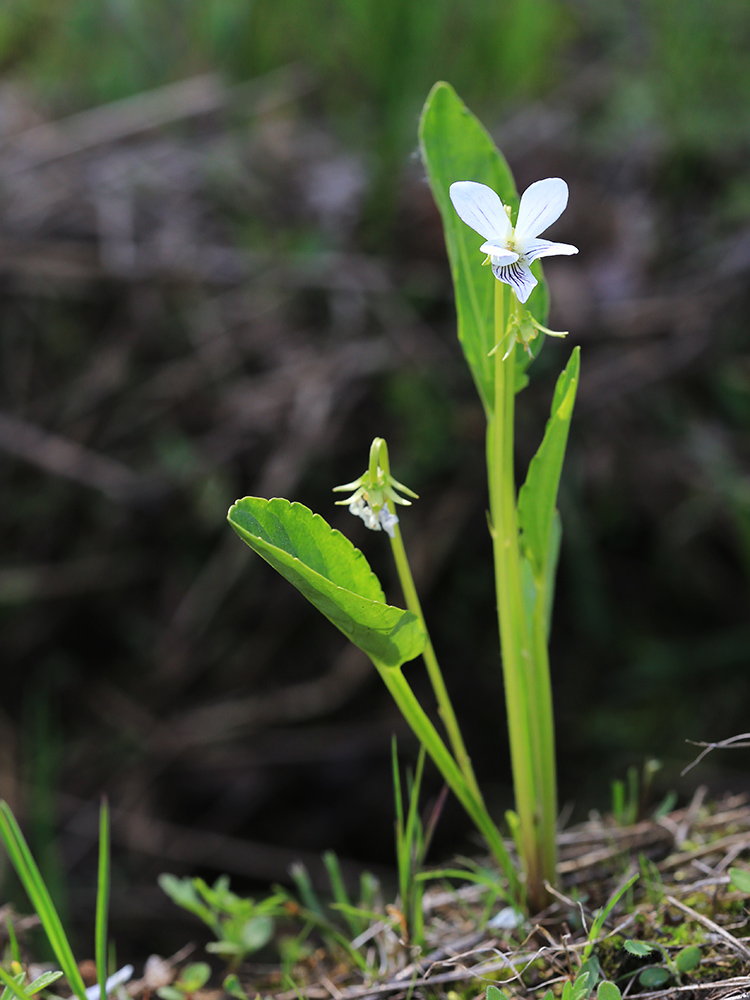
(512, 250)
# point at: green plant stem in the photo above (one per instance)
(428, 736)
(515, 645)
(445, 708)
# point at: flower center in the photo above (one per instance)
(515, 247)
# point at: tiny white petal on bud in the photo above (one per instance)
(362, 509)
(388, 521)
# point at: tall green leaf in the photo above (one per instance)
(537, 500)
(455, 146)
(331, 573)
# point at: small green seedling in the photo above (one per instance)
(411, 850)
(15, 982)
(630, 798)
(579, 988)
(233, 987)
(336, 922)
(655, 976)
(241, 926)
(192, 978)
(601, 916)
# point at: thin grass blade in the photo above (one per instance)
(340, 895)
(32, 881)
(102, 900)
(15, 951)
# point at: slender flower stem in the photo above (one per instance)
(445, 708)
(455, 768)
(379, 460)
(518, 654)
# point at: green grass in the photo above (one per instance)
(675, 74)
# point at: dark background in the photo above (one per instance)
(222, 273)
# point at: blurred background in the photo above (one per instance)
(222, 273)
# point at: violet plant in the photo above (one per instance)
(502, 312)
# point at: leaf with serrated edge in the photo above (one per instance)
(455, 146)
(639, 948)
(331, 573)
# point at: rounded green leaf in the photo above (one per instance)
(591, 971)
(493, 993)
(688, 959)
(225, 948)
(194, 976)
(608, 991)
(256, 933)
(331, 573)
(653, 978)
(740, 879)
(169, 993)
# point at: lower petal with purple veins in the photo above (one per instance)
(518, 276)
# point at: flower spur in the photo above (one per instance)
(511, 250)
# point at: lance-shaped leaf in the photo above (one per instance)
(455, 146)
(331, 573)
(537, 500)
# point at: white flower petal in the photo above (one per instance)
(518, 276)
(506, 919)
(542, 203)
(480, 207)
(499, 252)
(115, 980)
(543, 248)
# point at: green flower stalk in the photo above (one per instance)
(376, 493)
(374, 500)
(522, 619)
